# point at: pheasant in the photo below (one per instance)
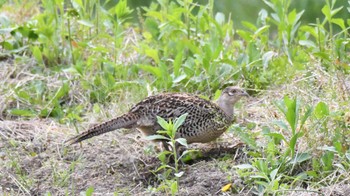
(205, 121)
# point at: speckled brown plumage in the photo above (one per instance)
(205, 121)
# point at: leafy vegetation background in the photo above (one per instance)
(75, 62)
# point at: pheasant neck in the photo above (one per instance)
(227, 108)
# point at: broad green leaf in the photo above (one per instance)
(334, 11)
(244, 136)
(249, 25)
(182, 141)
(164, 124)
(301, 177)
(23, 95)
(179, 78)
(191, 44)
(327, 148)
(305, 116)
(271, 5)
(267, 57)
(156, 71)
(20, 49)
(217, 52)
(292, 112)
(292, 17)
(338, 146)
(96, 108)
(327, 12)
(27, 32)
(162, 132)
(307, 43)
(247, 36)
(218, 27)
(293, 141)
(273, 174)
(340, 22)
(301, 157)
(165, 73)
(281, 124)
(321, 110)
(207, 57)
(44, 113)
(189, 155)
(122, 10)
(163, 157)
(327, 160)
(276, 17)
(64, 89)
(179, 121)
(312, 173)
(277, 136)
(262, 166)
(37, 54)
(297, 17)
(156, 137)
(190, 151)
(153, 53)
(243, 166)
(77, 4)
(86, 23)
(7, 45)
(217, 94)
(265, 130)
(39, 87)
(322, 55)
(275, 185)
(251, 125)
(281, 106)
(163, 166)
(174, 187)
(23, 112)
(178, 62)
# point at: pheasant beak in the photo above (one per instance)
(244, 94)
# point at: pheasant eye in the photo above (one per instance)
(232, 92)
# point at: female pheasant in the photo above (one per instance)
(205, 121)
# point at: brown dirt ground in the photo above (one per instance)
(34, 161)
(114, 162)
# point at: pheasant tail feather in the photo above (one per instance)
(124, 121)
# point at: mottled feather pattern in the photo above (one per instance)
(205, 122)
(201, 114)
(124, 121)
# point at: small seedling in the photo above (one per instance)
(169, 135)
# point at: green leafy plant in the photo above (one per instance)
(178, 55)
(269, 169)
(169, 135)
(291, 111)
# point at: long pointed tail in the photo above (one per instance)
(124, 121)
